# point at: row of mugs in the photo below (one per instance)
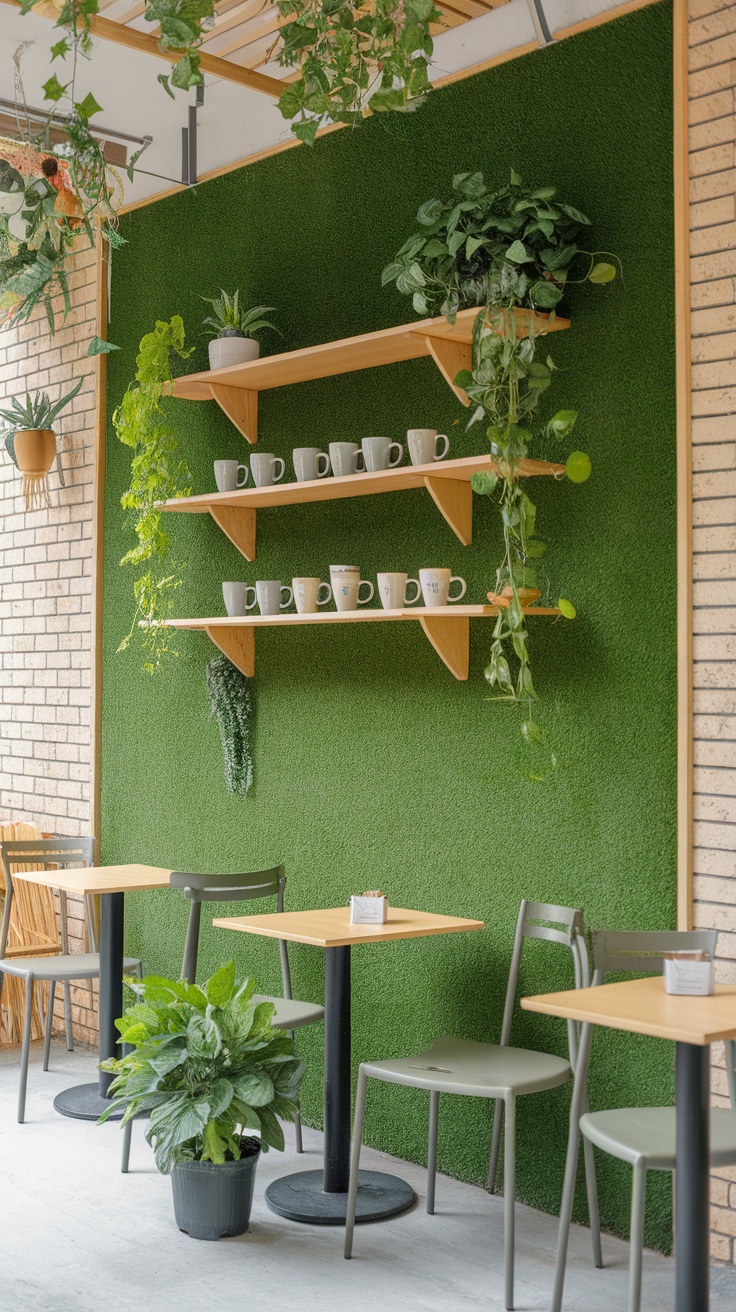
(272, 596)
(373, 455)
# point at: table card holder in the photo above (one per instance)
(690, 973)
(370, 908)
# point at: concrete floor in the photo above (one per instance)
(77, 1236)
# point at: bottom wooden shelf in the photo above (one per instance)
(446, 627)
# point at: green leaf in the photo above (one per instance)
(255, 1087)
(98, 346)
(429, 212)
(186, 71)
(566, 608)
(87, 107)
(163, 78)
(473, 244)
(515, 178)
(53, 89)
(219, 989)
(562, 424)
(578, 467)
(601, 273)
(306, 130)
(61, 49)
(483, 483)
(518, 253)
(545, 294)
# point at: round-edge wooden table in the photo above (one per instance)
(87, 1102)
(320, 1197)
(642, 1007)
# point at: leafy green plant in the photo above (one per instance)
(207, 1064)
(36, 411)
(228, 320)
(157, 474)
(182, 27)
(351, 56)
(231, 701)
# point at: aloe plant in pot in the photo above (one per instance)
(208, 1066)
(233, 330)
(31, 442)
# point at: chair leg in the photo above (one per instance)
(434, 1111)
(68, 1016)
(125, 1157)
(495, 1145)
(592, 1188)
(355, 1161)
(638, 1195)
(571, 1169)
(25, 1049)
(49, 1024)
(298, 1133)
(509, 1196)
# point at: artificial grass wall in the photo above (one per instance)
(374, 767)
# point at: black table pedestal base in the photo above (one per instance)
(84, 1103)
(301, 1197)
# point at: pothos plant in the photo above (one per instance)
(350, 55)
(157, 474)
(511, 250)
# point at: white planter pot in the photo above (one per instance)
(226, 351)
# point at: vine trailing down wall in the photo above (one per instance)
(373, 766)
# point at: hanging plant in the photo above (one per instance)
(506, 250)
(30, 441)
(231, 700)
(349, 56)
(157, 474)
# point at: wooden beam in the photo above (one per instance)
(98, 537)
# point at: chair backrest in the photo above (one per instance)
(552, 924)
(228, 888)
(42, 854)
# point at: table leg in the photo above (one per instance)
(86, 1102)
(320, 1197)
(692, 1178)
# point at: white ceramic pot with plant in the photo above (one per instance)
(233, 340)
(31, 441)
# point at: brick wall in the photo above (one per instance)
(712, 144)
(45, 597)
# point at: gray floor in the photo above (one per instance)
(77, 1236)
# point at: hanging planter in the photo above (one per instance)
(31, 443)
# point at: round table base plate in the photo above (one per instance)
(300, 1197)
(84, 1103)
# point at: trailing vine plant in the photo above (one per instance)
(231, 701)
(510, 250)
(350, 55)
(157, 474)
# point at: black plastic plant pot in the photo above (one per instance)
(214, 1201)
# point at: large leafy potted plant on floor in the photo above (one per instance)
(234, 330)
(31, 442)
(207, 1065)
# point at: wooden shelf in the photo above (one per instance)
(236, 387)
(446, 627)
(447, 481)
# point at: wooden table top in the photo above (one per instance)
(99, 879)
(332, 928)
(642, 1007)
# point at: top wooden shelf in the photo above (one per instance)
(236, 387)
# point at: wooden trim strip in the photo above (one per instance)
(98, 518)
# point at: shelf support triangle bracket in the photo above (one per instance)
(450, 357)
(450, 637)
(454, 500)
(238, 644)
(239, 525)
(241, 408)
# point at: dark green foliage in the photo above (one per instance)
(231, 700)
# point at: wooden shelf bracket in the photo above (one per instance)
(454, 500)
(238, 644)
(241, 408)
(450, 637)
(239, 525)
(451, 356)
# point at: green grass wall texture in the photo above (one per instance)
(374, 767)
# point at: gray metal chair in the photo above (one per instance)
(642, 1136)
(65, 853)
(488, 1070)
(290, 1014)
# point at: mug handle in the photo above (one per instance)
(278, 461)
(418, 587)
(290, 598)
(441, 437)
(329, 594)
(237, 475)
(322, 456)
(365, 583)
(392, 463)
(250, 604)
(461, 594)
(358, 461)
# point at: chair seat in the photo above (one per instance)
(482, 1070)
(66, 966)
(290, 1014)
(632, 1133)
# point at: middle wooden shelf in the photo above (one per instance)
(447, 481)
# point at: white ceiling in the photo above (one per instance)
(234, 122)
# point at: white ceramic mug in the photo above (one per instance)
(346, 458)
(227, 474)
(268, 594)
(346, 584)
(422, 443)
(235, 596)
(306, 595)
(392, 589)
(377, 453)
(436, 586)
(307, 463)
(263, 468)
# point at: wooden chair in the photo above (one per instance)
(33, 930)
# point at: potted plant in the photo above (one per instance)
(233, 341)
(208, 1066)
(31, 441)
